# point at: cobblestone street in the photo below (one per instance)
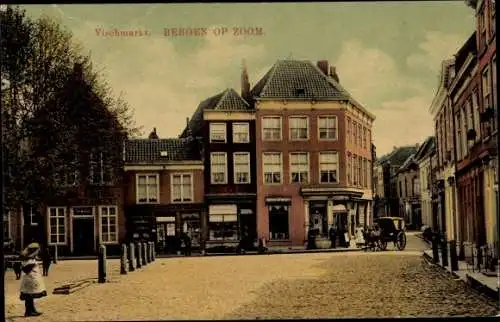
(352, 284)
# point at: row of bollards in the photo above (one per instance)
(133, 257)
(438, 245)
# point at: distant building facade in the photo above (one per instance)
(423, 158)
(408, 180)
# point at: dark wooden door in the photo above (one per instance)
(83, 236)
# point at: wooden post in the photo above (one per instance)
(139, 254)
(143, 246)
(101, 264)
(55, 254)
(123, 260)
(131, 257)
(148, 252)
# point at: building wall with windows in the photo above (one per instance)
(164, 192)
(313, 167)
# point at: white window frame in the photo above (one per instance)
(191, 187)
(336, 153)
(212, 181)
(65, 225)
(292, 169)
(264, 154)
(109, 225)
(247, 170)
(147, 175)
(336, 122)
(290, 128)
(246, 130)
(213, 126)
(485, 76)
(267, 117)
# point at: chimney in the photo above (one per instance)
(245, 83)
(333, 74)
(188, 130)
(323, 66)
(153, 135)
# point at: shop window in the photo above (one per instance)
(57, 225)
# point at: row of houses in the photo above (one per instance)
(449, 182)
(465, 115)
(291, 154)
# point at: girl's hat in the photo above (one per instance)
(31, 250)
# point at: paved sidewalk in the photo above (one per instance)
(484, 284)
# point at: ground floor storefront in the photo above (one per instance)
(167, 225)
(287, 220)
(231, 218)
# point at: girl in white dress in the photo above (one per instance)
(32, 285)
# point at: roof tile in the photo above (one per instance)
(149, 151)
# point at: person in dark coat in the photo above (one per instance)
(311, 239)
(187, 244)
(244, 241)
(17, 267)
(333, 236)
(46, 259)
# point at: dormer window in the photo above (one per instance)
(300, 91)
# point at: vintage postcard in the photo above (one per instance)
(150, 150)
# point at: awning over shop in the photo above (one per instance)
(339, 208)
(165, 219)
(222, 213)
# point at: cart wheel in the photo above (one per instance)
(401, 241)
(383, 244)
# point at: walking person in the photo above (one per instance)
(46, 259)
(333, 236)
(32, 284)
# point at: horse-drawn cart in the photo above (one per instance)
(392, 229)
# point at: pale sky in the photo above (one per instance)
(387, 54)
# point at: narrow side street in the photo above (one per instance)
(351, 284)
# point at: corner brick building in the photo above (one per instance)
(313, 147)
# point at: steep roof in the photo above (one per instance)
(300, 80)
(398, 156)
(426, 148)
(296, 79)
(149, 151)
(228, 100)
(408, 162)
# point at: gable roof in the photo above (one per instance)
(398, 156)
(227, 100)
(425, 149)
(301, 80)
(296, 79)
(149, 151)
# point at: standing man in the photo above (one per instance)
(333, 236)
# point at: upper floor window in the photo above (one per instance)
(148, 187)
(218, 133)
(218, 168)
(241, 133)
(299, 127)
(241, 167)
(494, 88)
(348, 168)
(272, 167)
(486, 88)
(182, 187)
(328, 167)
(364, 137)
(493, 22)
(100, 168)
(299, 167)
(349, 130)
(327, 126)
(360, 134)
(354, 132)
(271, 128)
(354, 167)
